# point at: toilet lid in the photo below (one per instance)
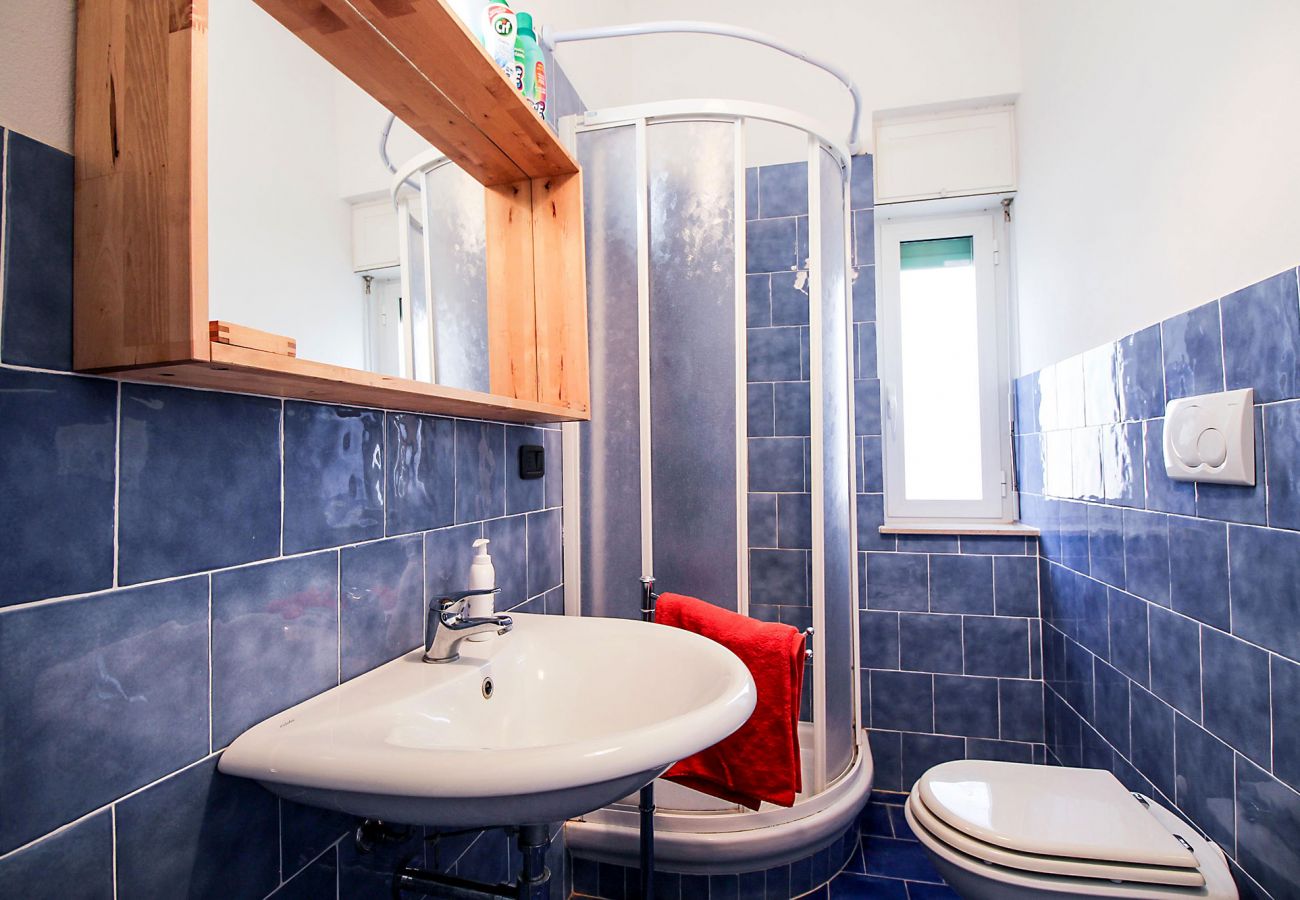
(921, 819)
(1049, 811)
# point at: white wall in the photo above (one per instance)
(901, 53)
(37, 46)
(1159, 162)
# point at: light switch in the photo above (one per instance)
(1211, 438)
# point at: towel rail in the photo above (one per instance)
(649, 597)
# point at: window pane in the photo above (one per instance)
(941, 371)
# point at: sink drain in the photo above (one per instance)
(488, 688)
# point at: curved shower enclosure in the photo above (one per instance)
(719, 456)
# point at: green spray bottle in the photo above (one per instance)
(530, 64)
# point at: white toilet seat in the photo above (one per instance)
(1049, 865)
(1003, 830)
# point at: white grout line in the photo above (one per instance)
(281, 448)
(210, 686)
(117, 484)
(113, 823)
(4, 215)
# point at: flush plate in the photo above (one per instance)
(1211, 438)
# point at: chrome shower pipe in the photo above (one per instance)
(550, 37)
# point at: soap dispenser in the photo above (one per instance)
(482, 576)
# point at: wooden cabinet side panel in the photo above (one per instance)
(140, 215)
(561, 289)
(512, 312)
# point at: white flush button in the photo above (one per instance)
(1212, 448)
(1211, 438)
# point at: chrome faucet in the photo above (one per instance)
(442, 644)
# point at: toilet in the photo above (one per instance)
(1014, 831)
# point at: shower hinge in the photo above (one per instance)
(995, 253)
(1004, 484)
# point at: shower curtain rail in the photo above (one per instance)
(550, 37)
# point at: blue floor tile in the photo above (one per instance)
(898, 859)
(866, 887)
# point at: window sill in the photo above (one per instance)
(959, 528)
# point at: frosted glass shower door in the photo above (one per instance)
(833, 538)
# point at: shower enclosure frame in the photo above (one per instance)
(737, 113)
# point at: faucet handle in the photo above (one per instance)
(450, 600)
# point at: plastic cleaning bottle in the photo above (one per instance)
(499, 35)
(482, 575)
(530, 62)
(471, 13)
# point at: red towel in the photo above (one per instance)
(760, 761)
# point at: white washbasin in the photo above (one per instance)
(582, 711)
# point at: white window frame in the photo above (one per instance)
(998, 507)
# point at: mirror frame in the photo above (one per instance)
(141, 214)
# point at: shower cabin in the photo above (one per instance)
(719, 456)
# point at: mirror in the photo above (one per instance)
(312, 235)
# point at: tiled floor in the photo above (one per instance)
(890, 864)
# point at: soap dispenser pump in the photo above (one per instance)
(482, 576)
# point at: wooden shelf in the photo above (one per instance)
(246, 371)
(418, 59)
(141, 213)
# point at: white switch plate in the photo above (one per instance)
(1211, 438)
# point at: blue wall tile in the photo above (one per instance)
(120, 679)
(1129, 638)
(1146, 555)
(553, 482)
(1020, 704)
(865, 349)
(1204, 773)
(873, 471)
(928, 543)
(78, 860)
(1123, 469)
(902, 701)
(1261, 338)
(508, 547)
(1282, 425)
(864, 293)
(220, 834)
(961, 584)
(772, 354)
(1235, 692)
(776, 464)
(1074, 536)
(1268, 829)
(448, 554)
(200, 481)
(545, 551)
(898, 581)
(1153, 739)
(1193, 352)
(864, 237)
(1198, 567)
(878, 634)
(274, 639)
(480, 471)
(1176, 661)
(887, 756)
(1085, 453)
(1265, 590)
(930, 642)
(861, 183)
(1106, 544)
(996, 545)
(793, 408)
(778, 576)
(306, 831)
(871, 515)
(1139, 371)
(56, 463)
(320, 879)
(789, 298)
(38, 255)
(760, 410)
(866, 406)
(333, 475)
(996, 646)
(1285, 685)
(1112, 706)
(783, 190)
(966, 706)
(794, 521)
(762, 520)
(381, 602)
(770, 245)
(751, 192)
(1025, 390)
(758, 301)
